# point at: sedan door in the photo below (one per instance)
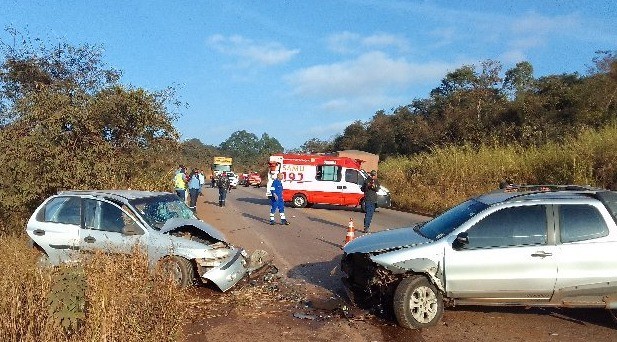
(509, 256)
(108, 228)
(55, 228)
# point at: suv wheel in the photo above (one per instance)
(299, 201)
(417, 303)
(179, 270)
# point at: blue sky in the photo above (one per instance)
(306, 69)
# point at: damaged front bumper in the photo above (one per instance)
(367, 284)
(238, 265)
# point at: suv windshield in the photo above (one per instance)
(157, 210)
(445, 223)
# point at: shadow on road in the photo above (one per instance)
(252, 200)
(582, 317)
(331, 243)
(211, 203)
(257, 218)
(323, 274)
(326, 222)
(335, 207)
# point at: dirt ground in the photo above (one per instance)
(275, 308)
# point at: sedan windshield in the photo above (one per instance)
(445, 223)
(157, 210)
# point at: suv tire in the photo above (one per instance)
(417, 303)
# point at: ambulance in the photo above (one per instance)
(322, 179)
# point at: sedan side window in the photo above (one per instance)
(580, 222)
(515, 226)
(65, 210)
(104, 216)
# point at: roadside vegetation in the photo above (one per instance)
(106, 298)
(445, 176)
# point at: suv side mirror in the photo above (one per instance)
(462, 239)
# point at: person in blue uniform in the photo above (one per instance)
(276, 199)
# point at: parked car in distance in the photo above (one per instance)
(233, 179)
(254, 179)
(72, 223)
(549, 246)
(243, 179)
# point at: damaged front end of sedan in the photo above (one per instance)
(214, 259)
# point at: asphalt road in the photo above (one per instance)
(309, 249)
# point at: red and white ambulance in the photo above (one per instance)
(322, 179)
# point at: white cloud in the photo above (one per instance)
(349, 42)
(369, 74)
(251, 52)
(343, 42)
(513, 56)
(535, 24)
(382, 40)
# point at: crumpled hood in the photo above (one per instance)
(175, 223)
(385, 240)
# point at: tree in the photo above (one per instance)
(248, 151)
(315, 145)
(519, 79)
(354, 137)
(68, 125)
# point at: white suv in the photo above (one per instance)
(551, 246)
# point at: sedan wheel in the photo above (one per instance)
(178, 270)
(417, 303)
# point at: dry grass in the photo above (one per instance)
(437, 180)
(124, 300)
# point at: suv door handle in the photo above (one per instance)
(89, 239)
(38, 232)
(541, 254)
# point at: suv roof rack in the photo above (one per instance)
(546, 187)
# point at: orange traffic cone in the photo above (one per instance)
(350, 232)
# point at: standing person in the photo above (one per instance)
(223, 185)
(180, 182)
(194, 186)
(202, 181)
(370, 187)
(276, 199)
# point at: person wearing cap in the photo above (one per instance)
(370, 188)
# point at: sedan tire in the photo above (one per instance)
(417, 303)
(179, 270)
